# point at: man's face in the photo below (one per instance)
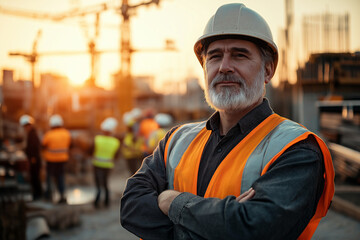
(235, 74)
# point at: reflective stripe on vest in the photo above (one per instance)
(184, 135)
(57, 150)
(247, 161)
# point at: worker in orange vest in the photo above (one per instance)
(246, 172)
(56, 143)
(147, 125)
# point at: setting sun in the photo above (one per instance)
(75, 68)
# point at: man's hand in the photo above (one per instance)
(249, 194)
(165, 199)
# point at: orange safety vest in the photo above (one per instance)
(57, 142)
(147, 126)
(246, 162)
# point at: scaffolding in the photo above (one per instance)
(326, 33)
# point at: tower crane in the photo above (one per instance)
(124, 84)
(125, 81)
(76, 12)
(30, 57)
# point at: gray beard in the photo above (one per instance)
(234, 98)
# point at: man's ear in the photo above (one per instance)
(269, 71)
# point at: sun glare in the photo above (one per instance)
(77, 74)
(75, 68)
(76, 77)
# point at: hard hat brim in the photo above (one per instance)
(205, 40)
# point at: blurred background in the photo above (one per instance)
(89, 60)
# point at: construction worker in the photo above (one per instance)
(32, 151)
(132, 147)
(105, 149)
(163, 120)
(56, 143)
(146, 126)
(246, 172)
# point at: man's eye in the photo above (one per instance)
(214, 57)
(239, 55)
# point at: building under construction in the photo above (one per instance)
(326, 33)
(328, 102)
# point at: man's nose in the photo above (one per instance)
(226, 65)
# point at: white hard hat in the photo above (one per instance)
(136, 113)
(109, 124)
(235, 19)
(26, 119)
(128, 119)
(163, 119)
(56, 121)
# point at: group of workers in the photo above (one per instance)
(55, 143)
(144, 131)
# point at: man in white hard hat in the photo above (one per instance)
(246, 172)
(56, 143)
(32, 151)
(104, 151)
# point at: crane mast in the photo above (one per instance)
(125, 84)
(125, 81)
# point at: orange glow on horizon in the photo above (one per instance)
(179, 20)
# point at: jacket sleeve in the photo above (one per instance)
(139, 211)
(33, 148)
(285, 200)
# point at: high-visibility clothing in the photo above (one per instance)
(105, 150)
(155, 138)
(246, 162)
(132, 147)
(57, 142)
(147, 126)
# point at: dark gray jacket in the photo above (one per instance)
(285, 200)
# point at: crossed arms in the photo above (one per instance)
(279, 206)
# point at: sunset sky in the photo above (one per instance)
(179, 20)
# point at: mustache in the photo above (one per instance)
(227, 78)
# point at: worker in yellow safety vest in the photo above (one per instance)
(56, 143)
(104, 151)
(246, 172)
(132, 147)
(164, 121)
